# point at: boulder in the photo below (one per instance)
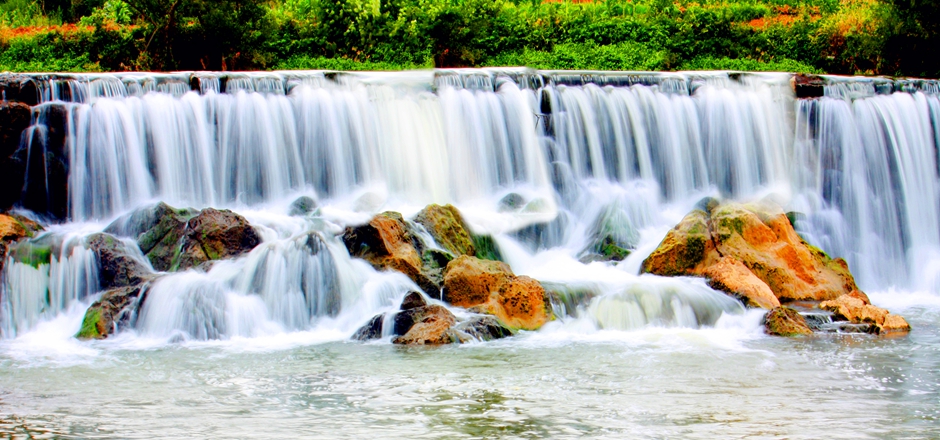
(14, 118)
(371, 330)
(116, 265)
(763, 240)
(447, 227)
(733, 277)
(387, 244)
(178, 239)
(158, 230)
(511, 202)
(430, 325)
(216, 235)
(784, 321)
(481, 328)
(856, 309)
(14, 228)
(302, 206)
(491, 287)
(613, 235)
(114, 309)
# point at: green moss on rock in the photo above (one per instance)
(90, 325)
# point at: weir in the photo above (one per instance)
(857, 165)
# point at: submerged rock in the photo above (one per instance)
(784, 321)
(115, 308)
(302, 206)
(386, 244)
(491, 287)
(614, 237)
(856, 309)
(116, 266)
(512, 202)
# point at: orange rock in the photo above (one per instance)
(433, 327)
(386, 244)
(763, 240)
(733, 277)
(895, 323)
(852, 308)
(491, 287)
(12, 229)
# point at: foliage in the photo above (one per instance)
(837, 36)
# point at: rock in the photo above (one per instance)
(808, 86)
(14, 118)
(386, 244)
(429, 325)
(733, 277)
(216, 235)
(613, 234)
(115, 307)
(482, 328)
(116, 266)
(492, 288)
(413, 300)
(158, 230)
(763, 240)
(486, 248)
(855, 309)
(302, 206)
(14, 228)
(784, 321)
(447, 227)
(371, 330)
(511, 202)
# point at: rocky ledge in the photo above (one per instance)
(752, 252)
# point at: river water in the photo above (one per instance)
(259, 346)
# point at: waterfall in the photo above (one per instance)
(578, 150)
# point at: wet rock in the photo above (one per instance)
(158, 230)
(429, 325)
(491, 287)
(482, 328)
(785, 321)
(14, 228)
(116, 266)
(512, 202)
(302, 206)
(486, 247)
(115, 308)
(856, 309)
(14, 118)
(371, 330)
(447, 227)
(387, 244)
(614, 237)
(733, 277)
(215, 235)
(808, 86)
(413, 300)
(763, 240)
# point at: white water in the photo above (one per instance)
(860, 167)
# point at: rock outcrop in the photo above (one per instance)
(856, 309)
(784, 321)
(753, 253)
(114, 309)
(447, 227)
(14, 119)
(490, 287)
(763, 240)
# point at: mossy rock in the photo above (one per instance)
(92, 325)
(447, 227)
(486, 248)
(785, 321)
(112, 311)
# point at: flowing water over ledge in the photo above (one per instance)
(257, 346)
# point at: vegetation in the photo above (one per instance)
(892, 37)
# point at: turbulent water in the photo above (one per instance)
(258, 346)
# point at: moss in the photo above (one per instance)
(787, 322)
(435, 259)
(91, 325)
(693, 253)
(486, 248)
(33, 255)
(611, 251)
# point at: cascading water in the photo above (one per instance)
(579, 152)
